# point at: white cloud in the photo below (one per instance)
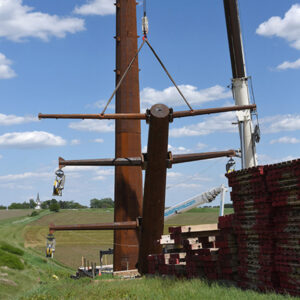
(101, 104)
(102, 174)
(171, 97)
(173, 174)
(19, 21)
(264, 159)
(96, 7)
(188, 185)
(219, 123)
(99, 140)
(285, 140)
(289, 65)
(201, 146)
(1, 156)
(6, 72)
(178, 150)
(95, 169)
(105, 172)
(75, 142)
(30, 139)
(93, 125)
(280, 123)
(287, 28)
(7, 120)
(23, 176)
(175, 150)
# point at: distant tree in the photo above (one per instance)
(2, 207)
(70, 205)
(228, 205)
(34, 213)
(32, 203)
(103, 203)
(23, 205)
(45, 204)
(54, 205)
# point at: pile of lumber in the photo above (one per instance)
(188, 251)
(253, 226)
(283, 181)
(208, 251)
(198, 242)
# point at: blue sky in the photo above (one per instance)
(59, 57)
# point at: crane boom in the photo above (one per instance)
(194, 202)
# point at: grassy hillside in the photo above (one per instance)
(14, 213)
(46, 279)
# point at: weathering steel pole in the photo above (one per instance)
(128, 180)
(240, 81)
(155, 184)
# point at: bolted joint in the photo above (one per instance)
(148, 115)
(170, 160)
(171, 117)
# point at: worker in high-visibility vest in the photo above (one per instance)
(50, 245)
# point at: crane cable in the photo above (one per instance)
(145, 29)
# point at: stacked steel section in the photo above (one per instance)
(227, 243)
(283, 182)
(258, 246)
(254, 228)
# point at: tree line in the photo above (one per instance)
(55, 205)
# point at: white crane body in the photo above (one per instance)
(196, 201)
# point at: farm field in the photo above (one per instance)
(72, 245)
(36, 281)
(14, 213)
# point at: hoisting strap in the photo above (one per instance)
(170, 77)
(123, 77)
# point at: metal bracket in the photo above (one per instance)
(144, 161)
(169, 160)
(171, 117)
(148, 115)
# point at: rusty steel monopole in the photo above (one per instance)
(128, 181)
(155, 183)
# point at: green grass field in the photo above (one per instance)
(14, 213)
(36, 281)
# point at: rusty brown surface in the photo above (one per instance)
(127, 161)
(208, 111)
(129, 116)
(234, 38)
(139, 116)
(98, 226)
(155, 184)
(182, 158)
(128, 180)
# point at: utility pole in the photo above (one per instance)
(240, 83)
(128, 180)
